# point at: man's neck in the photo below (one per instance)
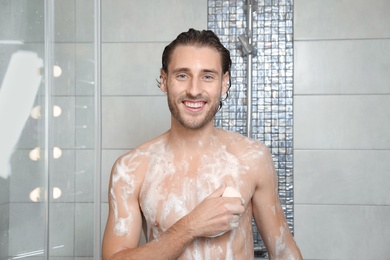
(190, 140)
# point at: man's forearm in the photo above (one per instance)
(169, 245)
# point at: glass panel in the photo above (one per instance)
(71, 217)
(22, 103)
(30, 225)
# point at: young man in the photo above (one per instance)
(176, 184)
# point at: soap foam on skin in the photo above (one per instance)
(229, 250)
(163, 202)
(122, 225)
(160, 167)
(231, 192)
(221, 166)
(123, 174)
(246, 231)
(280, 243)
(273, 208)
(210, 251)
(211, 171)
(211, 248)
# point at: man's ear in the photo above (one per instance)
(163, 81)
(225, 83)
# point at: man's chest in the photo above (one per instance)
(172, 188)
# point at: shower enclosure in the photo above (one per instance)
(49, 172)
(51, 121)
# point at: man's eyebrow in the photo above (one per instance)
(178, 70)
(210, 71)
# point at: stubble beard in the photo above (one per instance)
(192, 122)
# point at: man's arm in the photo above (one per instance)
(124, 222)
(268, 213)
(124, 225)
(170, 245)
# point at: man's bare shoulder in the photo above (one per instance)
(139, 157)
(147, 148)
(151, 144)
(242, 145)
(253, 154)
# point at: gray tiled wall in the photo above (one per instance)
(353, 71)
(134, 35)
(150, 21)
(342, 121)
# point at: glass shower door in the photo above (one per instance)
(48, 165)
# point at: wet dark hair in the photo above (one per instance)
(205, 38)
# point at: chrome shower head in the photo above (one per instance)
(246, 46)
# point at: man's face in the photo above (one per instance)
(194, 85)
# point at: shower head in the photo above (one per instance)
(246, 46)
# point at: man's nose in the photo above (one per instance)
(195, 87)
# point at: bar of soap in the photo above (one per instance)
(231, 192)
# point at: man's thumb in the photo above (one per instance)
(218, 192)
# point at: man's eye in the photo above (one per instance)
(208, 77)
(181, 76)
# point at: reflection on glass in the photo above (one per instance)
(35, 194)
(57, 111)
(56, 193)
(18, 91)
(35, 154)
(36, 112)
(57, 71)
(57, 152)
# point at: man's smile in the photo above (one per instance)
(194, 105)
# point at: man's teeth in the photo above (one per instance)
(194, 104)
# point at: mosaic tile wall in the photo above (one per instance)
(272, 84)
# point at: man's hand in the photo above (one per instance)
(215, 215)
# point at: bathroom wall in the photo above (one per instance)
(134, 109)
(342, 126)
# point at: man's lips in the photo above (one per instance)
(194, 105)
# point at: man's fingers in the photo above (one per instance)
(218, 192)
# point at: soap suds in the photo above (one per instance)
(229, 249)
(123, 185)
(122, 225)
(167, 192)
(279, 242)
